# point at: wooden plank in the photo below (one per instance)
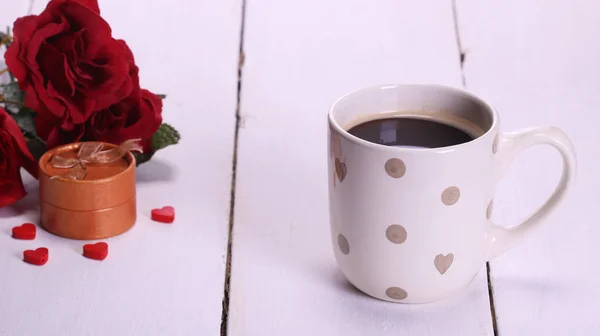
(537, 61)
(10, 11)
(158, 279)
(300, 56)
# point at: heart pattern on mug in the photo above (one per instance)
(335, 144)
(443, 262)
(340, 169)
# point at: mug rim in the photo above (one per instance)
(453, 90)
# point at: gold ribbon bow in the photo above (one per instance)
(92, 152)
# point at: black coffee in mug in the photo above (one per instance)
(411, 131)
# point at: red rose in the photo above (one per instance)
(69, 65)
(14, 154)
(137, 117)
(56, 132)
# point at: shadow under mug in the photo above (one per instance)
(413, 225)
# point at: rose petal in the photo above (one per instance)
(127, 51)
(149, 118)
(70, 133)
(83, 78)
(15, 153)
(45, 96)
(98, 32)
(39, 37)
(79, 45)
(56, 69)
(32, 100)
(69, 76)
(23, 28)
(72, 106)
(65, 44)
(11, 190)
(10, 126)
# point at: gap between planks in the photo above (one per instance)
(462, 57)
(491, 296)
(461, 53)
(227, 281)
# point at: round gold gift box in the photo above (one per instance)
(87, 209)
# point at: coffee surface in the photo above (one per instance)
(410, 131)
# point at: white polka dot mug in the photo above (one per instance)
(412, 224)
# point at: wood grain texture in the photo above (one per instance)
(158, 279)
(538, 63)
(300, 56)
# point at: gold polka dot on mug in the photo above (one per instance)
(343, 244)
(395, 168)
(489, 210)
(396, 293)
(451, 195)
(396, 234)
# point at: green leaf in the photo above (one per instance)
(25, 120)
(13, 80)
(142, 158)
(162, 96)
(166, 136)
(36, 146)
(13, 93)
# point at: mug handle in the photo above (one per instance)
(508, 145)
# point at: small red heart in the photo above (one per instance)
(38, 257)
(164, 215)
(25, 231)
(97, 251)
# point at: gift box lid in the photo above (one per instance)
(85, 177)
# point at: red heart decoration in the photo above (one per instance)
(38, 257)
(97, 251)
(25, 231)
(164, 215)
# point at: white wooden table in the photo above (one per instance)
(249, 85)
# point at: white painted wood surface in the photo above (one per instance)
(539, 63)
(158, 279)
(300, 56)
